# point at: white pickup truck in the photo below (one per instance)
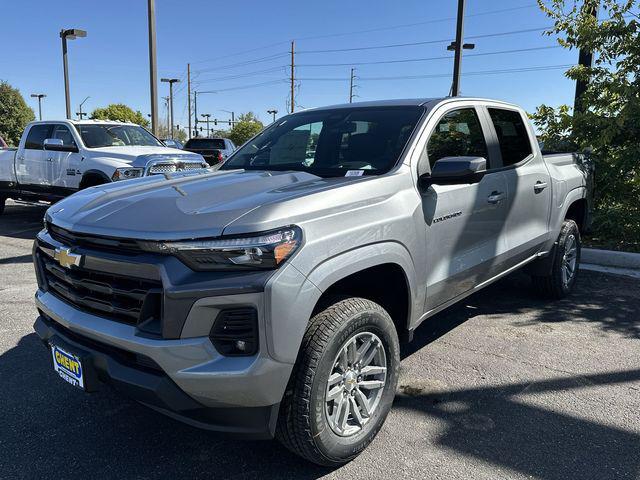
(57, 158)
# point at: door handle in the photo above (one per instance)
(49, 159)
(495, 197)
(539, 186)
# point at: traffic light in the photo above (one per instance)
(215, 121)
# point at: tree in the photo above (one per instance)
(246, 127)
(608, 124)
(121, 113)
(14, 114)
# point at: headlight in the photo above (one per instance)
(126, 173)
(265, 251)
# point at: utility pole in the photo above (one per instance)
(351, 86)
(585, 58)
(80, 112)
(195, 111)
(71, 34)
(39, 96)
(170, 81)
(293, 102)
(189, 97)
(166, 100)
(458, 46)
(207, 115)
(153, 72)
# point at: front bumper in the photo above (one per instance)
(140, 378)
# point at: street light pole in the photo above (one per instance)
(39, 96)
(71, 34)
(273, 112)
(153, 71)
(170, 81)
(233, 116)
(80, 112)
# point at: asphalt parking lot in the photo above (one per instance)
(505, 385)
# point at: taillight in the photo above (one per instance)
(220, 157)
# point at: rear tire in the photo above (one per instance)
(343, 383)
(560, 280)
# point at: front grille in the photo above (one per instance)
(172, 167)
(117, 245)
(125, 299)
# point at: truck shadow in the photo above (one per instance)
(49, 426)
(21, 221)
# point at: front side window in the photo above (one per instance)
(96, 136)
(36, 136)
(61, 132)
(512, 135)
(458, 134)
(329, 143)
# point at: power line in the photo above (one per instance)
(241, 75)
(426, 22)
(241, 52)
(443, 57)
(440, 75)
(428, 42)
(267, 58)
(271, 82)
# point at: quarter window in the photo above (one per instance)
(458, 134)
(36, 136)
(512, 134)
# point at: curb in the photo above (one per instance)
(610, 258)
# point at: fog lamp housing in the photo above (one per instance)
(235, 332)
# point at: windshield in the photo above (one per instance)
(330, 143)
(96, 136)
(206, 143)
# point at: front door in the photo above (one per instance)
(64, 166)
(465, 223)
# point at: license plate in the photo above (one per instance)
(68, 366)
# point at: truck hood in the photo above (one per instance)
(181, 206)
(138, 156)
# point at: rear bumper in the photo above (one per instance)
(141, 378)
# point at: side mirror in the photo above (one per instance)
(455, 171)
(57, 145)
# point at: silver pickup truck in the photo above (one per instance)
(269, 298)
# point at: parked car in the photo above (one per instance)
(268, 298)
(57, 158)
(172, 143)
(214, 150)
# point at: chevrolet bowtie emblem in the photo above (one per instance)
(67, 259)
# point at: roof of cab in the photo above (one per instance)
(407, 102)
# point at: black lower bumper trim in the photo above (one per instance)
(141, 379)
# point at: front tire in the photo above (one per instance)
(343, 383)
(562, 276)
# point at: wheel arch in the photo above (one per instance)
(91, 176)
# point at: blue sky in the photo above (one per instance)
(111, 63)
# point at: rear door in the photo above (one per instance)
(528, 183)
(32, 167)
(464, 223)
(64, 167)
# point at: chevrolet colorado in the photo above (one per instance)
(268, 298)
(57, 158)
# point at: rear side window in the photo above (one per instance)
(458, 134)
(512, 135)
(37, 135)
